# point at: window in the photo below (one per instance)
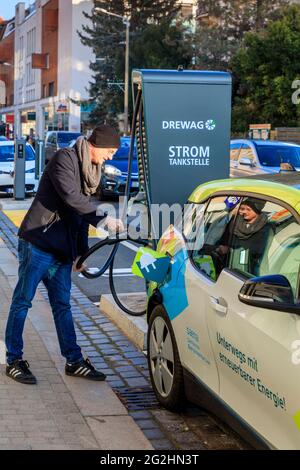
(272, 246)
(191, 222)
(234, 151)
(274, 155)
(51, 89)
(247, 152)
(7, 153)
(211, 249)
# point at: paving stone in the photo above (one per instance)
(147, 424)
(137, 415)
(140, 382)
(154, 433)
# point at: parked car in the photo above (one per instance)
(115, 172)
(7, 151)
(251, 157)
(3, 138)
(223, 331)
(56, 140)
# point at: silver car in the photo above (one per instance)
(252, 157)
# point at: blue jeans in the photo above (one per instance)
(34, 266)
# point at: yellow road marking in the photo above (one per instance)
(17, 216)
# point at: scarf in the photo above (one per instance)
(244, 230)
(91, 173)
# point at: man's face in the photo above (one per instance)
(247, 213)
(100, 155)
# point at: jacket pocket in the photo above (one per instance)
(53, 219)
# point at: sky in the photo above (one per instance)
(7, 8)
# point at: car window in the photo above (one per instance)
(50, 139)
(271, 247)
(234, 151)
(191, 222)
(208, 255)
(30, 153)
(274, 155)
(7, 153)
(66, 137)
(246, 152)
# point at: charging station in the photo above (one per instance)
(185, 130)
(19, 171)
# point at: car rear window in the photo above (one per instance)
(65, 138)
(123, 151)
(7, 153)
(274, 155)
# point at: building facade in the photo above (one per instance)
(44, 68)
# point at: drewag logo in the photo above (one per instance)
(209, 125)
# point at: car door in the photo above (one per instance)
(256, 348)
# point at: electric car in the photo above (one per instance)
(224, 325)
(7, 166)
(252, 157)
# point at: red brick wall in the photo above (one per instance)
(50, 43)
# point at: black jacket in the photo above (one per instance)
(59, 217)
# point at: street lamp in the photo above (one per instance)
(126, 22)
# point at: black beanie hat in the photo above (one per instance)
(255, 204)
(105, 136)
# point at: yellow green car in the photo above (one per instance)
(224, 324)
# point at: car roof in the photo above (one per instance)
(264, 142)
(284, 186)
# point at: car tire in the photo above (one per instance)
(165, 368)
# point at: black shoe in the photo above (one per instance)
(85, 370)
(20, 372)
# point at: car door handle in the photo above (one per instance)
(219, 305)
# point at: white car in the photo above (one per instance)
(224, 324)
(7, 167)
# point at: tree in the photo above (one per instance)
(266, 67)
(222, 26)
(156, 40)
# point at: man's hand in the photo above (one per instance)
(82, 268)
(114, 225)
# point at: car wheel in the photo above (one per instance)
(163, 360)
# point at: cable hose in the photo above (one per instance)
(110, 265)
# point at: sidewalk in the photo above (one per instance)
(60, 412)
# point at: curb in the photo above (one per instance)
(135, 328)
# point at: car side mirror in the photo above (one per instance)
(246, 161)
(273, 292)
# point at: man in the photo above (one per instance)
(52, 237)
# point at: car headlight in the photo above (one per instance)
(111, 170)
